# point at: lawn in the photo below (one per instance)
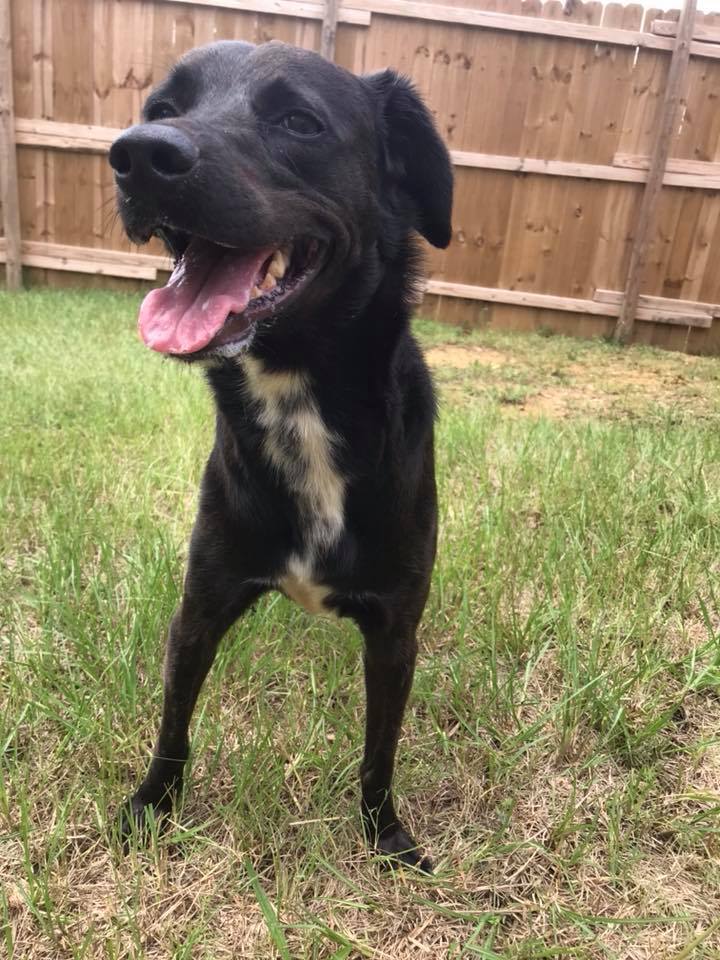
(561, 754)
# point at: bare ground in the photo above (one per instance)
(618, 384)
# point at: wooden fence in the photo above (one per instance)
(551, 114)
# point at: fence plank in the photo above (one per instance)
(673, 93)
(660, 303)
(81, 137)
(530, 298)
(605, 303)
(696, 269)
(287, 8)
(420, 10)
(668, 28)
(698, 168)
(626, 168)
(74, 259)
(99, 268)
(9, 192)
(608, 265)
(329, 29)
(360, 12)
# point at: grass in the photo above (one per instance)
(560, 760)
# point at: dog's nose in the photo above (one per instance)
(151, 152)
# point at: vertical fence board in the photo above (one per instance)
(667, 118)
(9, 191)
(26, 44)
(329, 29)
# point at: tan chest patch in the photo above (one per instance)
(300, 447)
(298, 584)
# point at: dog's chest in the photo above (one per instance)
(300, 584)
(299, 446)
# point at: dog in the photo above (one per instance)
(289, 193)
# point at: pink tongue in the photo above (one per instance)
(208, 283)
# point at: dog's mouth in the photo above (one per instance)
(217, 294)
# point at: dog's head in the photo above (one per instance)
(273, 176)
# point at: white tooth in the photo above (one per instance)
(269, 282)
(278, 265)
(255, 292)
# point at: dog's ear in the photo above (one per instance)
(413, 156)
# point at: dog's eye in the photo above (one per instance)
(301, 123)
(161, 111)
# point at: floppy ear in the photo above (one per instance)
(413, 155)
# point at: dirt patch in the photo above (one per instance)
(461, 357)
(616, 377)
(538, 384)
(560, 402)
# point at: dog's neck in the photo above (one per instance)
(300, 433)
(349, 348)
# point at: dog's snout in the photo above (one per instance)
(151, 152)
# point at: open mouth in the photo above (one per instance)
(217, 294)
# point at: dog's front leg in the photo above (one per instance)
(389, 668)
(207, 610)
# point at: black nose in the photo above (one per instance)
(150, 152)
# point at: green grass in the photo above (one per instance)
(560, 760)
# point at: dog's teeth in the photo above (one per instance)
(269, 282)
(255, 292)
(278, 265)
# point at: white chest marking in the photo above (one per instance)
(298, 584)
(300, 447)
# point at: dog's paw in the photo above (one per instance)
(399, 849)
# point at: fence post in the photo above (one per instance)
(8, 157)
(674, 90)
(329, 28)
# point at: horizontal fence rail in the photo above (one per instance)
(624, 169)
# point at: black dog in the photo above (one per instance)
(288, 191)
